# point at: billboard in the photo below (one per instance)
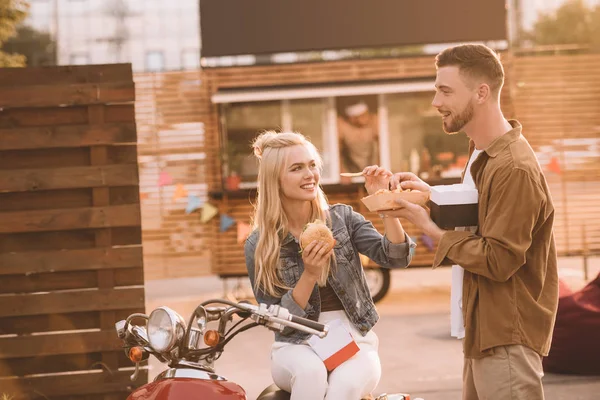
(241, 27)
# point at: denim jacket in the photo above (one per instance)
(353, 235)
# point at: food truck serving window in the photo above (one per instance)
(391, 125)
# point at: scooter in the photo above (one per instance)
(191, 351)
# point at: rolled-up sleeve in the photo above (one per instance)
(286, 300)
(505, 234)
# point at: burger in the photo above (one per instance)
(316, 231)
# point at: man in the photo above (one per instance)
(510, 282)
(358, 136)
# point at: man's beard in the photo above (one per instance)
(459, 121)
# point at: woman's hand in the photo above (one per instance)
(376, 178)
(408, 180)
(316, 258)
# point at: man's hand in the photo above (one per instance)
(408, 180)
(416, 215)
(376, 178)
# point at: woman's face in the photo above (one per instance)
(300, 176)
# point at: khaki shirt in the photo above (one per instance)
(510, 286)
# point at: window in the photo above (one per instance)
(155, 61)
(417, 141)
(310, 117)
(358, 132)
(242, 122)
(397, 129)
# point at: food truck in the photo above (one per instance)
(197, 175)
(362, 95)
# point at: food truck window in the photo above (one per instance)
(358, 132)
(310, 117)
(417, 141)
(240, 125)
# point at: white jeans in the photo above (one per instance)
(297, 369)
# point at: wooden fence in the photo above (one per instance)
(70, 231)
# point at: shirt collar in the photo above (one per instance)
(503, 141)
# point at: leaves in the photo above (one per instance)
(573, 23)
(12, 12)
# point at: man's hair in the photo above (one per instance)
(474, 61)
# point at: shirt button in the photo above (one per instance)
(342, 292)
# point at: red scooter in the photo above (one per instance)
(191, 351)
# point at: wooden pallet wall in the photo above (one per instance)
(71, 260)
(174, 147)
(557, 98)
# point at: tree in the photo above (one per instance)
(572, 23)
(12, 12)
(38, 48)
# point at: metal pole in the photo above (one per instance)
(55, 25)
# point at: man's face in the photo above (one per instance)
(454, 99)
(360, 120)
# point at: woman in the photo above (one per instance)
(289, 197)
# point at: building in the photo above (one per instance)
(154, 35)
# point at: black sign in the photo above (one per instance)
(239, 27)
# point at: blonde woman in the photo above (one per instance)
(289, 197)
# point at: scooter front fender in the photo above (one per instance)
(188, 384)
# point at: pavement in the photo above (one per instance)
(417, 354)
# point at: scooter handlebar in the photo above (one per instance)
(309, 323)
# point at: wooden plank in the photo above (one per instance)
(66, 136)
(59, 343)
(67, 219)
(84, 383)
(67, 198)
(58, 364)
(52, 116)
(70, 260)
(70, 280)
(69, 74)
(68, 302)
(20, 325)
(68, 178)
(45, 158)
(59, 240)
(66, 95)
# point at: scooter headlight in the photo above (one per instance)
(166, 329)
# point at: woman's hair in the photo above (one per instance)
(269, 217)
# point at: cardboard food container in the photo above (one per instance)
(387, 201)
(454, 206)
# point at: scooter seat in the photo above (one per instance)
(273, 393)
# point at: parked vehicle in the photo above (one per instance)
(191, 351)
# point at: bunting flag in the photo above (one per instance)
(554, 166)
(208, 212)
(427, 241)
(164, 179)
(193, 204)
(243, 230)
(226, 222)
(180, 192)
